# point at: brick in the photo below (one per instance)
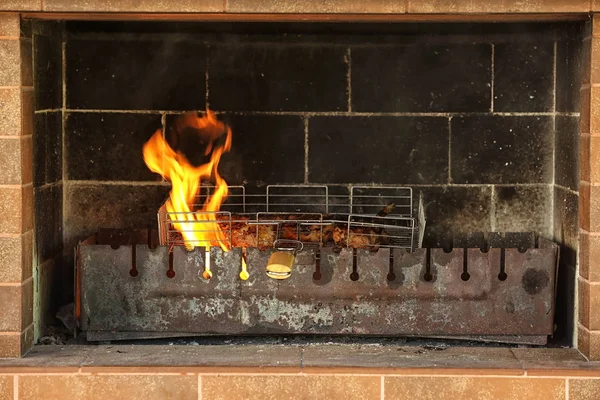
(47, 69)
(48, 214)
(16, 257)
(337, 143)
(14, 345)
(589, 207)
(26, 340)
(10, 313)
(119, 206)
(514, 211)
(10, 112)
(570, 71)
(594, 159)
(21, 5)
(314, 6)
(100, 387)
(583, 294)
(584, 158)
(589, 257)
(291, 387)
(10, 63)
(584, 206)
(497, 6)
(10, 25)
(589, 305)
(10, 161)
(135, 5)
(6, 387)
(27, 208)
(584, 389)
(455, 210)
(26, 160)
(566, 205)
(277, 77)
(16, 208)
(584, 255)
(26, 62)
(595, 60)
(411, 81)
(451, 388)
(10, 345)
(27, 304)
(501, 149)
(595, 111)
(26, 112)
(586, 54)
(85, 133)
(524, 77)
(594, 215)
(48, 144)
(584, 105)
(567, 153)
(269, 141)
(100, 71)
(588, 342)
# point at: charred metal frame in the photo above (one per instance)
(502, 290)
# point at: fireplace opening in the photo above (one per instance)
(404, 180)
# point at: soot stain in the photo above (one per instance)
(534, 281)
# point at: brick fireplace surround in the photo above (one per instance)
(261, 371)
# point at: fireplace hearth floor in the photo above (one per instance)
(297, 359)
(259, 371)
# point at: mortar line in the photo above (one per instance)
(566, 189)
(567, 389)
(49, 185)
(63, 135)
(584, 280)
(554, 133)
(163, 122)
(333, 113)
(48, 110)
(492, 80)
(119, 183)
(16, 387)
(449, 150)
(348, 60)
(206, 103)
(16, 186)
(13, 235)
(493, 208)
(15, 137)
(199, 387)
(306, 149)
(441, 185)
(382, 394)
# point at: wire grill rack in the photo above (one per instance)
(355, 216)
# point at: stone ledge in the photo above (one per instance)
(316, 6)
(309, 359)
(296, 371)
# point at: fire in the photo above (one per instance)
(197, 228)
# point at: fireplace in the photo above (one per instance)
(470, 131)
(85, 84)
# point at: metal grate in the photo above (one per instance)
(358, 217)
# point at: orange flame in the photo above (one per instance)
(197, 229)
